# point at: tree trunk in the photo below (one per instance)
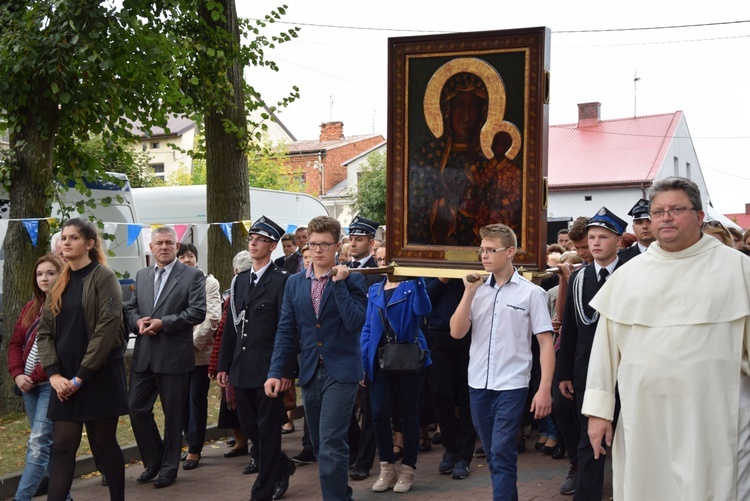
(31, 176)
(227, 192)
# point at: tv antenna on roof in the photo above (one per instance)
(636, 79)
(330, 107)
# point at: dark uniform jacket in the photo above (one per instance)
(626, 255)
(577, 338)
(250, 330)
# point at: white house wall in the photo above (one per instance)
(573, 204)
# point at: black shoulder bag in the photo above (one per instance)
(404, 358)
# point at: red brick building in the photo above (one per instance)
(319, 164)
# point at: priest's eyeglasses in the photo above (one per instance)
(485, 250)
(674, 212)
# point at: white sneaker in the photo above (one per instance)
(388, 477)
(405, 479)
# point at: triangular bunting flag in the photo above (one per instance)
(247, 224)
(201, 230)
(180, 229)
(291, 228)
(134, 231)
(32, 228)
(227, 229)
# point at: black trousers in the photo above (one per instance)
(590, 482)
(566, 419)
(449, 390)
(156, 452)
(367, 445)
(261, 418)
(196, 409)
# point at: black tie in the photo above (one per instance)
(355, 264)
(603, 276)
(253, 278)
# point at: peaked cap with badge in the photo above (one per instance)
(363, 226)
(640, 210)
(608, 220)
(267, 228)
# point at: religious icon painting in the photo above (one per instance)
(467, 145)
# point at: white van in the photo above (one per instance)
(170, 205)
(120, 211)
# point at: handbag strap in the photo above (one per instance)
(390, 334)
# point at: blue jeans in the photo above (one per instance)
(547, 427)
(407, 388)
(497, 419)
(38, 451)
(328, 410)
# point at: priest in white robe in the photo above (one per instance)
(673, 334)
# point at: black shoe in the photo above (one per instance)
(233, 453)
(425, 444)
(304, 457)
(282, 484)
(191, 464)
(359, 473)
(104, 480)
(549, 450)
(437, 439)
(251, 468)
(460, 470)
(183, 456)
(148, 475)
(162, 482)
(569, 484)
(479, 452)
(559, 452)
(522, 445)
(448, 462)
(286, 431)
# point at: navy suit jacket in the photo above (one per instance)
(181, 305)
(333, 335)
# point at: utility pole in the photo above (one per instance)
(636, 79)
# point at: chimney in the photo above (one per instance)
(747, 209)
(332, 131)
(588, 114)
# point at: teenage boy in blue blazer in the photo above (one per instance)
(325, 306)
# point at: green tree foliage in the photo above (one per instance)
(70, 69)
(371, 189)
(73, 69)
(132, 162)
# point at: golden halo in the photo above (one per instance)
(495, 107)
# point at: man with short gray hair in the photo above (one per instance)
(673, 336)
(168, 300)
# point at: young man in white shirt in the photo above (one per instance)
(503, 313)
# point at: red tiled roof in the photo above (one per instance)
(622, 152)
(741, 219)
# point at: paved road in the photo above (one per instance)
(220, 479)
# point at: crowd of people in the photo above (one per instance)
(613, 351)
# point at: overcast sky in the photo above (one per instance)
(696, 62)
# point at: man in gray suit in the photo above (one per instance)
(169, 299)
